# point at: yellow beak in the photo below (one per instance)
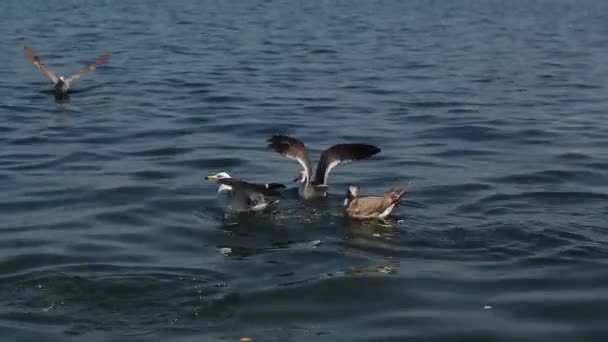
(211, 177)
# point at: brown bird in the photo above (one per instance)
(316, 187)
(62, 84)
(371, 206)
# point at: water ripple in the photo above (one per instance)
(492, 113)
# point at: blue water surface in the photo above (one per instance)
(493, 111)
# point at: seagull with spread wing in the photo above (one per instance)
(316, 187)
(238, 195)
(62, 84)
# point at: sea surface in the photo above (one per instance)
(494, 112)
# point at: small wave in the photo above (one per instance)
(553, 177)
(464, 133)
(463, 152)
(573, 156)
(126, 300)
(531, 201)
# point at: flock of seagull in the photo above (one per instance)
(241, 196)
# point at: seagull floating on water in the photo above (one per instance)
(243, 196)
(316, 187)
(369, 207)
(62, 84)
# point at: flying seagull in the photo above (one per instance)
(316, 187)
(62, 84)
(239, 195)
(371, 206)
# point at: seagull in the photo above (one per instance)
(243, 196)
(62, 84)
(371, 206)
(316, 187)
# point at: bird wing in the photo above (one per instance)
(396, 195)
(370, 205)
(341, 154)
(292, 148)
(43, 68)
(104, 59)
(270, 189)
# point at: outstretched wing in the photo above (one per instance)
(43, 68)
(292, 148)
(104, 59)
(340, 154)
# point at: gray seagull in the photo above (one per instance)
(316, 187)
(238, 195)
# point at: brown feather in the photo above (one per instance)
(104, 59)
(372, 206)
(340, 154)
(38, 63)
(292, 148)
(396, 195)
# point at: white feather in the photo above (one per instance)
(330, 167)
(386, 212)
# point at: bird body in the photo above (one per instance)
(238, 195)
(62, 86)
(368, 207)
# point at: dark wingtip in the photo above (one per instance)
(280, 139)
(279, 143)
(272, 189)
(365, 150)
(273, 140)
(398, 194)
(375, 149)
(279, 147)
(276, 137)
(275, 186)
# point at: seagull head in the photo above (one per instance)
(220, 175)
(351, 194)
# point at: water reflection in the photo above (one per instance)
(377, 238)
(62, 98)
(252, 234)
(363, 231)
(391, 267)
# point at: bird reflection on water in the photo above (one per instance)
(310, 227)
